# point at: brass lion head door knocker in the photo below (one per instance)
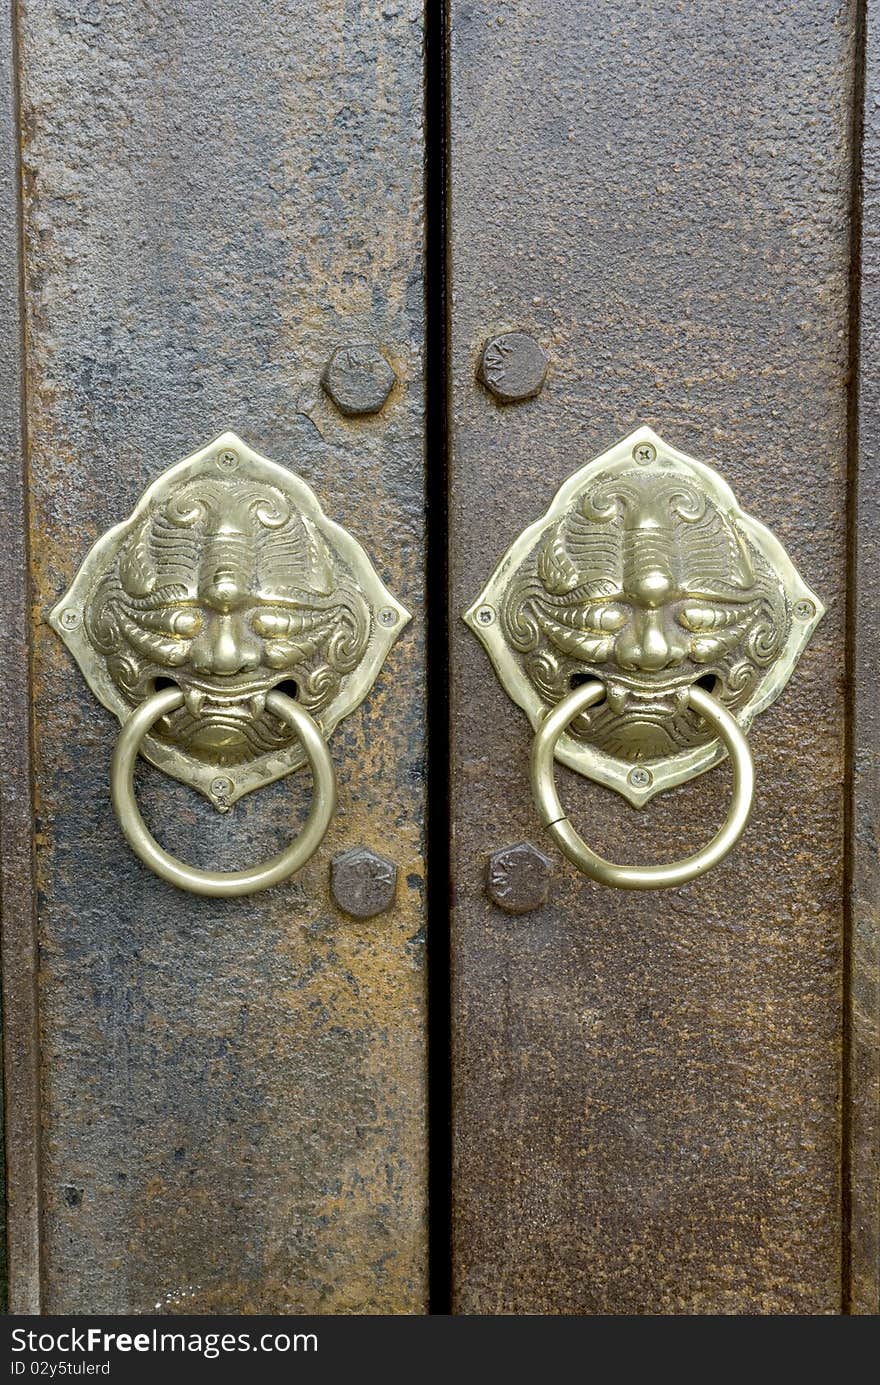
(230, 626)
(642, 624)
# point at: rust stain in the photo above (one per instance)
(237, 1089)
(646, 1088)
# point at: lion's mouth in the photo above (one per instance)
(628, 696)
(226, 725)
(641, 718)
(207, 701)
(205, 706)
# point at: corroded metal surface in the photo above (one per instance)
(647, 1098)
(862, 1092)
(234, 1091)
(17, 903)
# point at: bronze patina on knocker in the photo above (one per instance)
(230, 626)
(642, 624)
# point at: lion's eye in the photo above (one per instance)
(180, 624)
(270, 624)
(608, 618)
(702, 618)
(185, 624)
(599, 618)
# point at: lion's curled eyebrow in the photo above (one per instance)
(604, 540)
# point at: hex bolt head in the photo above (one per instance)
(358, 378)
(518, 878)
(362, 882)
(512, 367)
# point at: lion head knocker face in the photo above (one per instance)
(646, 576)
(229, 590)
(229, 581)
(646, 585)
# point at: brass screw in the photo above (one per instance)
(221, 787)
(804, 610)
(227, 459)
(640, 778)
(485, 615)
(644, 452)
(70, 618)
(387, 616)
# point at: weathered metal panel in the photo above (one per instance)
(216, 197)
(863, 1069)
(21, 1078)
(647, 1087)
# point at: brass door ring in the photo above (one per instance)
(221, 884)
(639, 877)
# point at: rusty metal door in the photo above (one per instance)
(664, 1101)
(215, 1105)
(657, 223)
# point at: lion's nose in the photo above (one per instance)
(225, 646)
(650, 643)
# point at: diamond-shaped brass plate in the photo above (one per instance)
(645, 574)
(229, 580)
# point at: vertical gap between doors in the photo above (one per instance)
(436, 375)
